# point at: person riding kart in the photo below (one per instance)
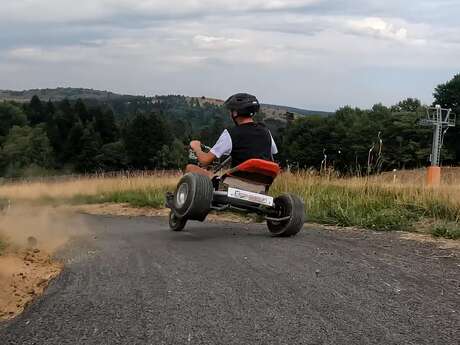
(244, 187)
(247, 140)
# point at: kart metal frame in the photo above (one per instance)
(196, 195)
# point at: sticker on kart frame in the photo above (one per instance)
(256, 198)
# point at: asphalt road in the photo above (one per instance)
(132, 281)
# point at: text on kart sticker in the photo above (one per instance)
(250, 196)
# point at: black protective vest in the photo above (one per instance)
(250, 140)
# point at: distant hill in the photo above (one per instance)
(60, 93)
(271, 111)
(306, 112)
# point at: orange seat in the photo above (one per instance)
(258, 166)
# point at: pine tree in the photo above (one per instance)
(36, 111)
(105, 125)
(73, 144)
(90, 143)
(82, 112)
(144, 137)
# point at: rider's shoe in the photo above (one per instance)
(169, 200)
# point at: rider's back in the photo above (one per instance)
(250, 140)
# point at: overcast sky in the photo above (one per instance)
(315, 54)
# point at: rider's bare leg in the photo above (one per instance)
(192, 168)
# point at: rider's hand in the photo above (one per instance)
(195, 145)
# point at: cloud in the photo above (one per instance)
(36, 54)
(58, 11)
(380, 28)
(301, 51)
(213, 42)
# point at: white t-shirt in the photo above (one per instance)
(223, 146)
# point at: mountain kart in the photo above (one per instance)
(242, 189)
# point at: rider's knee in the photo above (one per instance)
(190, 168)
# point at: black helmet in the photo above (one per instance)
(244, 104)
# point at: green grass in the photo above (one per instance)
(373, 206)
(446, 230)
(359, 202)
(138, 198)
(370, 207)
(344, 206)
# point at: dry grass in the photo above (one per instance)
(93, 186)
(379, 202)
(416, 178)
(408, 187)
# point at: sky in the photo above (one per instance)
(314, 54)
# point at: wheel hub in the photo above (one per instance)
(181, 195)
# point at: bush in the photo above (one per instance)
(25, 147)
(450, 231)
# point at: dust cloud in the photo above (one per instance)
(32, 233)
(45, 228)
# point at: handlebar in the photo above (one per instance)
(222, 164)
(192, 156)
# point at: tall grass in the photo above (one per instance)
(139, 189)
(384, 202)
(371, 202)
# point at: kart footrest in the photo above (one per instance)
(277, 219)
(233, 207)
(220, 208)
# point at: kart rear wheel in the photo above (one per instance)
(287, 205)
(193, 197)
(176, 223)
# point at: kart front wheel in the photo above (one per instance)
(176, 223)
(193, 197)
(287, 205)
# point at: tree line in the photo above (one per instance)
(380, 138)
(45, 137)
(39, 138)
